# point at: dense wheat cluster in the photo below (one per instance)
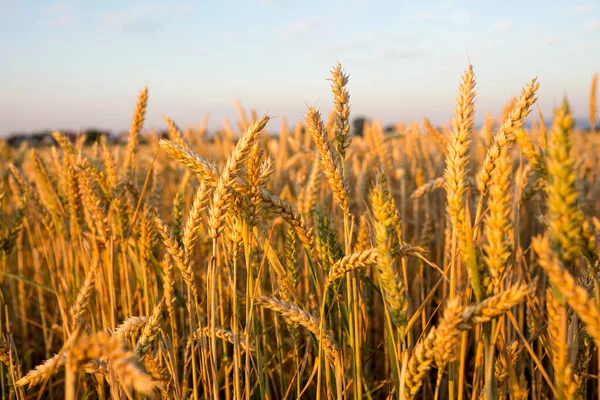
(307, 262)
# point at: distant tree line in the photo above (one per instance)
(44, 138)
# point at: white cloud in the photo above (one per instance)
(583, 8)
(373, 47)
(375, 42)
(303, 26)
(230, 37)
(347, 45)
(147, 18)
(592, 24)
(456, 16)
(489, 48)
(553, 40)
(461, 17)
(503, 25)
(406, 53)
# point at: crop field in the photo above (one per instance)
(274, 260)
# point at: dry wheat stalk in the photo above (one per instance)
(206, 170)
(121, 360)
(428, 187)
(505, 135)
(149, 331)
(419, 364)
(458, 147)
(192, 224)
(457, 318)
(130, 327)
(302, 317)
(436, 135)
(533, 154)
(83, 296)
(330, 160)
(134, 132)
(223, 192)
(565, 218)
(175, 132)
(387, 239)
(43, 371)
(178, 255)
(493, 306)
(577, 297)
(351, 262)
(292, 217)
(222, 334)
(497, 223)
(339, 80)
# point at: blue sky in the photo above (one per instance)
(74, 64)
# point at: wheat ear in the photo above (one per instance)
(298, 315)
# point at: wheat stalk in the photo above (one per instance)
(302, 317)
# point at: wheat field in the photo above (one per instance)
(427, 262)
